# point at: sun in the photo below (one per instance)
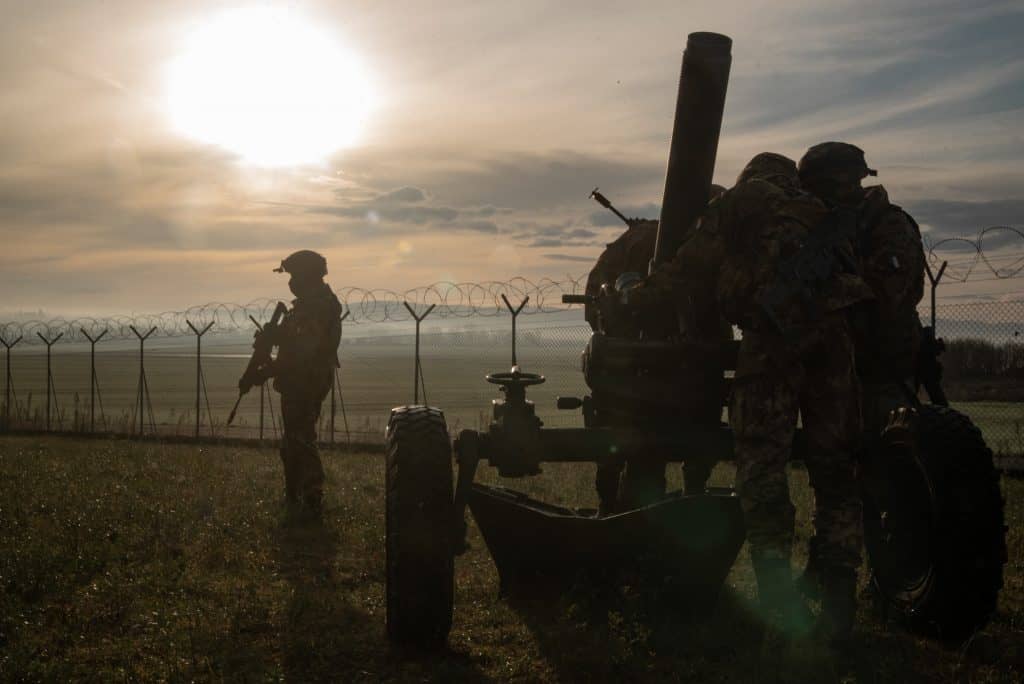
(269, 86)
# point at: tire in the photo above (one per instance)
(933, 522)
(419, 516)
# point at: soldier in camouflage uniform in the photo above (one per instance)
(891, 257)
(307, 339)
(887, 331)
(810, 370)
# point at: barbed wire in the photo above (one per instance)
(451, 300)
(963, 269)
(377, 305)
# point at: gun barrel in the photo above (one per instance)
(700, 104)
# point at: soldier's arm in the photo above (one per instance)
(895, 265)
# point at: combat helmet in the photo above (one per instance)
(771, 167)
(834, 159)
(304, 263)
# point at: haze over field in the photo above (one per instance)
(156, 155)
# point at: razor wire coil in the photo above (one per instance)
(376, 305)
(965, 256)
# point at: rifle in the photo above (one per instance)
(260, 359)
(929, 368)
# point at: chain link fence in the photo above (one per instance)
(116, 391)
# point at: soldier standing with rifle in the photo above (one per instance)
(307, 340)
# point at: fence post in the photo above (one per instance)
(337, 383)
(934, 279)
(50, 390)
(199, 370)
(334, 378)
(417, 367)
(515, 315)
(263, 395)
(142, 400)
(93, 380)
(9, 385)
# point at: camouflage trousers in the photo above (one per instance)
(303, 472)
(818, 381)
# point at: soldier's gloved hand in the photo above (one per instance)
(266, 372)
(270, 331)
(246, 382)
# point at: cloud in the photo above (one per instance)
(509, 180)
(570, 257)
(375, 212)
(406, 194)
(475, 173)
(947, 218)
(479, 226)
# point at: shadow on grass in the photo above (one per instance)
(319, 621)
(613, 633)
(603, 633)
(326, 636)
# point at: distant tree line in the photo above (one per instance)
(975, 359)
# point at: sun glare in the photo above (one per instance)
(268, 86)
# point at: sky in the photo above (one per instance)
(489, 125)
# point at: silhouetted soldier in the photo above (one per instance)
(890, 257)
(796, 356)
(891, 260)
(307, 339)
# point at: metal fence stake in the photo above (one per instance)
(515, 314)
(334, 379)
(263, 396)
(9, 386)
(934, 279)
(93, 379)
(417, 369)
(50, 390)
(142, 399)
(200, 380)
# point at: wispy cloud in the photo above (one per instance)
(496, 122)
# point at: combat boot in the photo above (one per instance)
(695, 478)
(784, 609)
(838, 607)
(810, 580)
(786, 618)
(313, 506)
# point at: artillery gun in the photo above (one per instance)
(933, 510)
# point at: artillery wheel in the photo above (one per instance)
(419, 527)
(933, 522)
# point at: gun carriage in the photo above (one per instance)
(933, 512)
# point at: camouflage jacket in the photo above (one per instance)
(307, 340)
(891, 258)
(756, 225)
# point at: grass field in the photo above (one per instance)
(122, 561)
